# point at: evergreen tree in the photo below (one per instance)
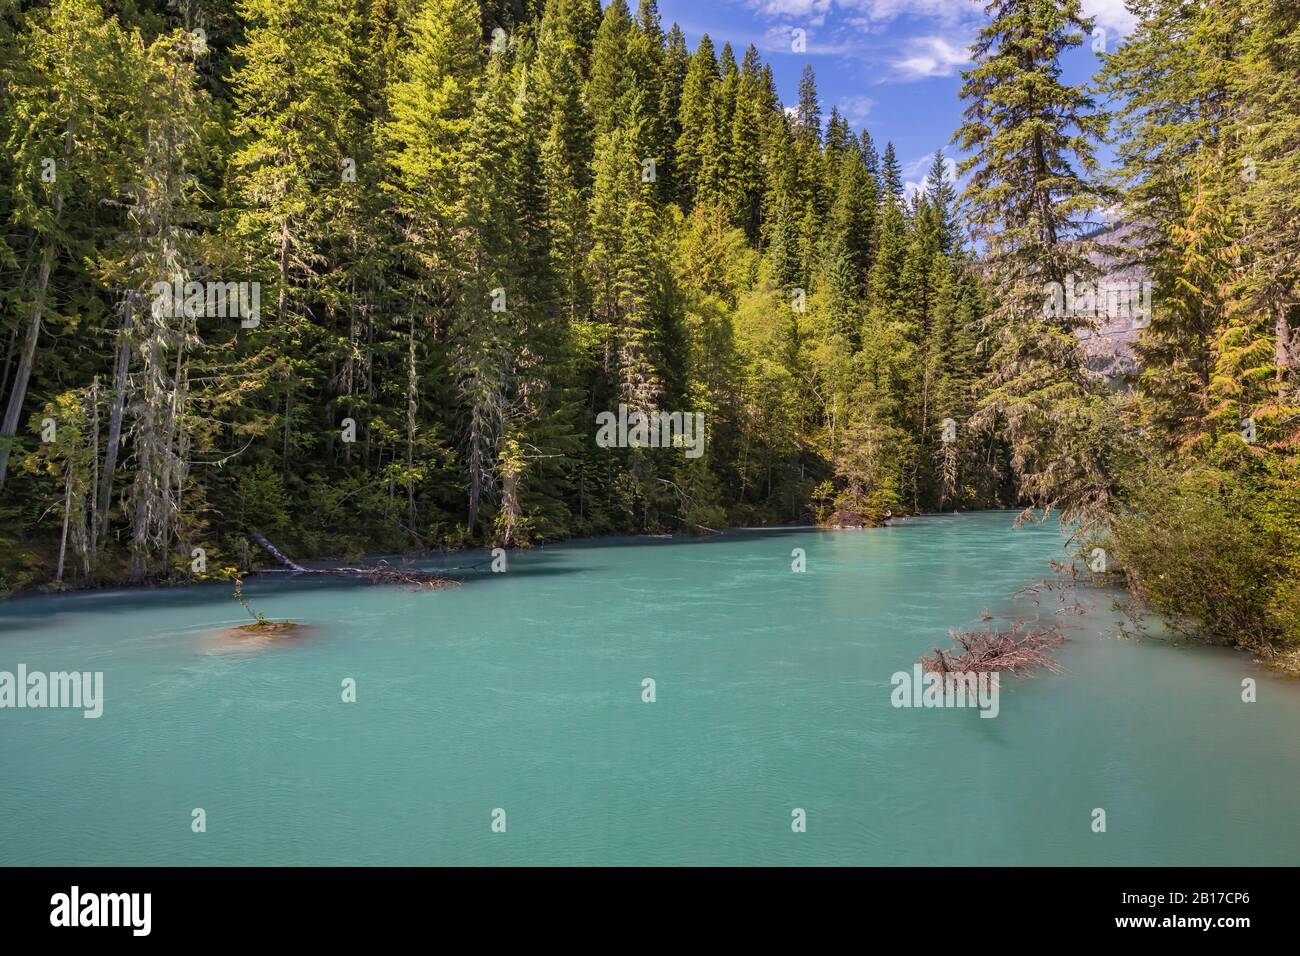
(432, 119)
(891, 173)
(672, 78)
(562, 55)
(696, 118)
(745, 189)
(611, 73)
(941, 197)
(1031, 141)
(808, 111)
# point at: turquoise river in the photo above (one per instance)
(523, 691)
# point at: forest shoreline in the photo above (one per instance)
(404, 558)
(1282, 663)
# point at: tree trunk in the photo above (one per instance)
(411, 407)
(67, 516)
(105, 497)
(13, 413)
(288, 413)
(175, 440)
(282, 306)
(350, 372)
(273, 551)
(9, 361)
(94, 476)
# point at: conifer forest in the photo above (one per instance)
(361, 277)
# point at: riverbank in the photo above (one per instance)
(376, 559)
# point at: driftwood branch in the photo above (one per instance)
(379, 573)
(1018, 650)
(694, 525)
(1067, 602)
(686, 501)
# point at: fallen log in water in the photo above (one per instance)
(1018, 650)
(379, 573)
(273, 551)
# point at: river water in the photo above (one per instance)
(522, 692)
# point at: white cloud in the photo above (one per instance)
(865, 14)
(856, 109)
(791, 8)
(1111, 15)
(780, 40)
(945, 11)
(931, 56)
(918, 166)
(871, 15)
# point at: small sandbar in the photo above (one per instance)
(255, 637)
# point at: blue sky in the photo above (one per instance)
(892, 66)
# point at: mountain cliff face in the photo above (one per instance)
(1122, 301)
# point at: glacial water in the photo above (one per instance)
(523, 691)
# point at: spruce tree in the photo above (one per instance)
(1031, 142)
(696, 119)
